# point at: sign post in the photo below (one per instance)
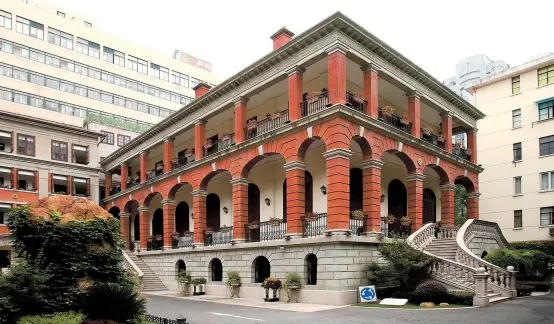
(367, 294)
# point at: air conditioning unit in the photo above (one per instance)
(551, 231)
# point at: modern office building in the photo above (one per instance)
(516, 148)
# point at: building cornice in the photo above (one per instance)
(37, 161)
(42, 123)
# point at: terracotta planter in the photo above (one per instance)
(405, 122)
(208, 145)
(358, 99)
(253, 226)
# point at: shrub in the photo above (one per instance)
(58, 318)
(528, 263)
(430, 291)
(233, 277)
(546, 246)
(292, 279)
(460, 297)
(112, 301)
(198, 281)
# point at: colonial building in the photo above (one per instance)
(261, 173)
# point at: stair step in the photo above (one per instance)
(494, 295)
(497, 299)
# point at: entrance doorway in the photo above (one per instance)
(254, 211)
(398, 204)
(429, 206)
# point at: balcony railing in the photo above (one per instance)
(154, 173)
(356, 102)
(433, 139)
(220, 145)
(155, 243)
(218, 236)
(315, 225)
(183, 240)
(461, 152)
(395, 228)
(266, 125)
(181, 161)
(266, 231)
(315, 103)
(395, 121)
(357, 225)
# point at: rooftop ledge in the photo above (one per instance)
(337, 110)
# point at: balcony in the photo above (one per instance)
(431, 138)
(182, 160)
(212, 147)
(274, 229)
(182, 240)
(154, 173)
(317, 102)
(315, 224)
(272, 122)
(358, 225)
(462, 152)
(388, 117)
(218, 236)
(356, 102)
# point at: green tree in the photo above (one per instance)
(460, 205)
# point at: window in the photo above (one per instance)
(114, 57)
(517, 185)
(546, 110)
(88, 48)
(60, 38)
(180, 79)
(123, 140)
(518, 219)
(59, 151)
(546, 75)
(516, 118)
(25, 144)
(517, 152)
(29, 28)
(515, 85)
(61, 14)
(159, 72)
(547, 216)
(547, 180)
(109, 137)
(546, 145)
(5, 19)
(87, 24)
(137, 64)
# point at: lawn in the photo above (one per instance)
(407, 306)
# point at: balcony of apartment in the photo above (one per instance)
(17, 179)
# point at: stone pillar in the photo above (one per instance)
(371, 89)
(125, 229)
(447, 204)
(447, 130)
(338, 189)
(337, 73)
(295, 92)
(143, 166)
(240, 208)
(199, 209)
(70, 185)
(473, 205)
(481, 278)
(372, 194)
(124, 176)
(240, 119)
(414, 112)
(107, 183)
(37, 181)
(144, 219)
(199, 139)
(168, 154)
(472, 145)
(415, 199)
(168, 207)
(15, 178)
(296, 197)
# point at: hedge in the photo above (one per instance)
(546, 246)
(452, 297)
(58, 318)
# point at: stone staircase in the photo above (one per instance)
(150, 282)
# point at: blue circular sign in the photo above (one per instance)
(367, 294)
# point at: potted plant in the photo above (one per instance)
(357, 214)
(458, 145)
(188, 234)
(189, 153)
(405, 221)
(209, 231)
(387, 111)
(293, 283)
(184, 280)
(311, 217)
(225, 137)
(274, 221)
(391, 219)
(427, 131)
(208, 144)
(233, 283)
(174, 240)
(441, 139)
(275, 285)
(225, 229)
(276, 114)
(314, 97)
(358, 97)
(253, 225)
(251, 125)
(149, 242)
(405, 119)
(199, 286)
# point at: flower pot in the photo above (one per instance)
(209, 232)
(271, 295)
(275, 116)
(199, 290)
(276, 222)
(293, 287)
(208, 145)
(187, 234)
(358, 99)
(405, 122)
(391, 220)
(311, 219)
(224, 229)
(253, 226)
(405, 223)
(426, 133)
(358, 218)
(251, 127)
(225, 138)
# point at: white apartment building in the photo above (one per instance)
(516, 148)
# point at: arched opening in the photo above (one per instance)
(158, 222)
(311, 269)
(285, 200)
(398, 204)
(216, 270)
(356, 189)
(182, 217)
(180, 268)
(429, 206)
(115, 212)
(253, 211)
(212, 211)
(136, 228)
(464, 186)
(261, 269)
(309, 190)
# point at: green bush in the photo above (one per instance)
(528, 263)
(233, 277)
(198, 281)
(112, 301)
(460, 298)
(58, 318)
(430, 291)
(546, 246)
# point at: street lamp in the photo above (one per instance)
(382, 198)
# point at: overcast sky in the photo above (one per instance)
(232, 34)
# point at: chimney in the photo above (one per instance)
(201, 89)
(281, 37)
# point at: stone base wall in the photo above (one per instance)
(480, 243)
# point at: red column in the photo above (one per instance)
(168, 154)
(472, 145)
(447, 204)
(199, 139)
(338, 189)
(337, 74)
(15, 178)
(37, 181)
(124, 176)
(168, 207)
(296, 197)
(473, 205)
(371, 89)
(415, 200)
(240, 208)
(70, 185)
(143, 161)
(144, 214)
(125, 229)
(372, 194)
(50, 183)
(295, 92)
(107, 183)
(199, 208)
(414, 112)
(447, 130)
(240, 119)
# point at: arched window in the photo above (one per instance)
(429, 206)
(261, 269)
(309, 190)
(311, 269)
(356, 189)
(158, 222)
(136, 227)
(285, 200)
(216, 270)
(212, 211)
(180, 268)
(182, 217)
(115, 212)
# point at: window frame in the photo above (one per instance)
(27, 137)
(62, 36)
(4, 17)
(108, 52)
(518, 214)
(516, 85)
(547, 110)
(137, 64)
(516, 118)
(518, 181)
(546, 73)
(550, 145)
(123, 137)
(106, 136)
(548, 213)
(549, 180)
(159, 72)
(60, 143)
(61, 14)
(91, 47)
(30, 26)
(517, 148)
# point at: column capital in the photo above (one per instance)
(124, 164)
(448, 187)
(295, 165)
(145, 152)
(239, 182)
(199, 193)
(338, 47)
(169, 139)
(168, 202)
(414, 94)
(296, 70)
(337, 153)
(472, 130)
(377, 164)
(124, 215)
(144, 209)
(240, 100)
(472, 195)
(447, 114)
(370, 67)
(199, 122)
(415, 176)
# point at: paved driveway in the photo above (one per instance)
(533, 310)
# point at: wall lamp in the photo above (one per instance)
(268, 201)
(192, 215)
(323, 189)
(382, 198)
(225, 210)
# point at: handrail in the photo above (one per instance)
(130, 264)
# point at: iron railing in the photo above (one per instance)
(433, 139)
(315, 104)
(315, 225)
(155, 243)
(461, 152)
(181, 161)
(184, 240)
(394, 121)
(358, 226)
(218, 236)
(266, 231)
(132, 184)
(394, 229)
(220, 145)
(154, 173)
(266, 125)
(384, 226)
(356, 102)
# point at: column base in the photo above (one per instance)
(481, 301)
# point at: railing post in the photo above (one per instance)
(512, 283)
(481, 288)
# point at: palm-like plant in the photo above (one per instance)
(99, 301)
